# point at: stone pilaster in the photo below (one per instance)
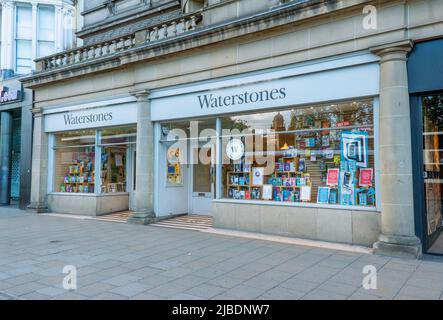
(39, 174)
(144, 193)
(397, 198)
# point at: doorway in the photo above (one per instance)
(432, 110)
(203, 179)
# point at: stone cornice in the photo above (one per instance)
(281, 16)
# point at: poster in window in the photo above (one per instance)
(267, 192)
(118, 160)
(323, 195)
(365, 178)
(332, 177)
(354, 148)
(174, 175)
(305, 193)
(257, 176)
(347, 188)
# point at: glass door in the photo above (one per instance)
(432, 161)
(203, 179)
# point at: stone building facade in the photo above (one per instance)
(335, 70)
(29, 30)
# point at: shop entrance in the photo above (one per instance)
(432, 107)
(203, 179)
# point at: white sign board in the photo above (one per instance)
(92, 118)
(316, 87)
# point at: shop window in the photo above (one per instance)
(432, 160)
(113, 171)
(116, 144)
(75, 162)
(318, 154)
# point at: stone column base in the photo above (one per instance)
(399, 246)
(143, 218)
(37, 208)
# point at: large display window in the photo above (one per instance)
(75, 162)
(432, 161)
(92, 161)
(318, 154)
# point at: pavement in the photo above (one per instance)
(123, 261)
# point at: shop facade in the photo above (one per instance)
(15, 143)
(425, 69)
(299, 126)
(91, 157)
(261, 152)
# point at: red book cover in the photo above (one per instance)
(365, 179)
(332, 178)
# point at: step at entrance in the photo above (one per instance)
(121, 217)
(187, 222)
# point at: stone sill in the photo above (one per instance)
(298, 204)
(92, 195)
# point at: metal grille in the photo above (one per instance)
(15, 159)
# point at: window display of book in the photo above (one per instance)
(113, 173)
(79, 178)
(288, 178)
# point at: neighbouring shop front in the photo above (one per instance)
(15, 143)
(91, 157)
(290, 151)
(426, 88)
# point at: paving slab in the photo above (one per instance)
(123, 261)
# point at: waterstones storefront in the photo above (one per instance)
(91, 157)
(290, 151)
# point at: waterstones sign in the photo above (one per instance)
(208, 101)
(258, 93)
(91, 118)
